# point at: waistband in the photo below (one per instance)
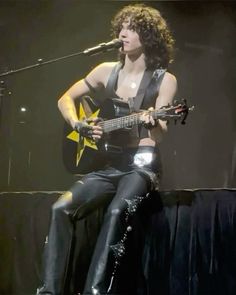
(131, 150)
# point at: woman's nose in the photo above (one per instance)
(123, 33)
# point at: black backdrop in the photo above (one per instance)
(189, 244)
(200, 154)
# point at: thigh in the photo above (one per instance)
(90, 191)
(131, 186)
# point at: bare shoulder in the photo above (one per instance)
(101, 73)
(169, 78)
(169, 83)
(167, 90)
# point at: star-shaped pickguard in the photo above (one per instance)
(82, 141)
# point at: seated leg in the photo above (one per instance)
(111, 244)
(75, 204)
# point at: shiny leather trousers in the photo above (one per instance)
(125, 191)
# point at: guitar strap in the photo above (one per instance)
(142, 90)
(152, 89)
(148, 99)
(112, 81)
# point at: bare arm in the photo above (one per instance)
(66, 103)
(97, 78)
(166, 95)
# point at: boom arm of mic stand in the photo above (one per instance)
(39, 64)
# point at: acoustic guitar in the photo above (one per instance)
(82, 155)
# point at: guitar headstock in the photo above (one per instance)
(178, 111)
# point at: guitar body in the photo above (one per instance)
(81, 155)
(90, 161)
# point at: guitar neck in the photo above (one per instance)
(129, 121)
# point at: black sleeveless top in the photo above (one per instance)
(146, 94)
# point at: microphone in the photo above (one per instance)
(103, 47)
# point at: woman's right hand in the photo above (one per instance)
(92, 130)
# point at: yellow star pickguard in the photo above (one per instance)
(83, 142)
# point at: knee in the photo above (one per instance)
(61, 205)
(113, 213)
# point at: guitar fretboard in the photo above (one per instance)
(134, 119)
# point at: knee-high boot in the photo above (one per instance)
(109, 250)
(111, 247)
(57, 251)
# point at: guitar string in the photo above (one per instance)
(125, 120)
(121, 122)
(135, 118)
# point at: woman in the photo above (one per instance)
(140, 79)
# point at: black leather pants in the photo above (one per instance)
(125, 191)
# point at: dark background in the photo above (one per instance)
(197, 155)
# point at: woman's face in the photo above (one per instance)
(130, 38)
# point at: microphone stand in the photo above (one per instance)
(40, 63)
(103, 47)
(3, 87)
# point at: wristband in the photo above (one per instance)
(84, 129)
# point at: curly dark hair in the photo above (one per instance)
(153, 32)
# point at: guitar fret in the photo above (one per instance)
(120, 122)
(134, 119)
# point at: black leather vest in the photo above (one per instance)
(146, 94)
